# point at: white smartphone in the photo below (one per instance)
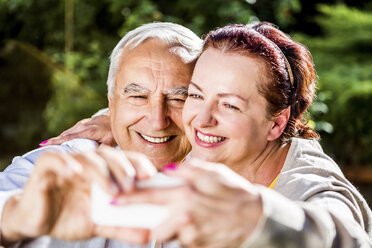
(137, 215)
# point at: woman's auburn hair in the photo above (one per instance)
(278, 51)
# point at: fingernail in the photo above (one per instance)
(114, 201)
(45, 141)
(170, 167)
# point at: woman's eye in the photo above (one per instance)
(196, 96)
(231, 106)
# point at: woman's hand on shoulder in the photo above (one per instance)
(96, 128)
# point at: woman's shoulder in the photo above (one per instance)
(308, 170)
(308, 154)
(309, 173)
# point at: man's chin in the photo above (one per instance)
(159, 163)
(174, 150)
(161, 157)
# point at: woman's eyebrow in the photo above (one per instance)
(135, 88)
(196, 86)
(220, 94)
(232, 95)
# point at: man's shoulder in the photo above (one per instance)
(75, 145)
(80, 145)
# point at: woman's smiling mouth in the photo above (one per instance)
(207, 139)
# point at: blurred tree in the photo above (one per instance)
(343, 58)
(22, 104)
(97, 26)
(78, 88)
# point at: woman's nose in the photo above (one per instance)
(206, 116)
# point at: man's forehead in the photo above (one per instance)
(153, 55)
(148, 48)
(152, 67)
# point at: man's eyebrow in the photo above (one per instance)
(135, 88)
(178, 91)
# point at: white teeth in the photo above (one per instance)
(209, 139)
(155, 140)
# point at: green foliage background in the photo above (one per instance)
(343, 58)
(44, 90)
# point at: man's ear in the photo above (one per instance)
(110, 102)
(280, 122)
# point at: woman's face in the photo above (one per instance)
(224, 115)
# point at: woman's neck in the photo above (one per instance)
(267, 166)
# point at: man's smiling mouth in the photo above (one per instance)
(156, 140)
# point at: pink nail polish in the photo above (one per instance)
(170, 167)
(114, 201)
(45, 141)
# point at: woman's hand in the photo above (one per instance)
(56, 198)
(218, 208)
(96, 128)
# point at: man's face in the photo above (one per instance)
(146, 107)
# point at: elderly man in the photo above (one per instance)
(147, 84)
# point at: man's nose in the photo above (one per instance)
(206, 116)
(159, 118)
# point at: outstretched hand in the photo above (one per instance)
(56, 199)
(96, 128)
(218, 208)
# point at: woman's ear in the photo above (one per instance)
(280, 122)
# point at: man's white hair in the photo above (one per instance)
(182, 41)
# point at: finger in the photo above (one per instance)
(109, 140)
(52, 176)
(53, 141)
(159, 196)
(143, 166)
(63, 165)
(187, 235)
(95, 170)
(26, 222)
(58, 140)
(169, 228)
(65, 135)
(120, 167)
(129, 235)
(213, 178)
(80, 125)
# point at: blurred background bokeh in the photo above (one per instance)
(54, 64)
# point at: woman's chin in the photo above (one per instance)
(207, 157)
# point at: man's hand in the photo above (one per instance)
(56, 199)
(96, 128)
